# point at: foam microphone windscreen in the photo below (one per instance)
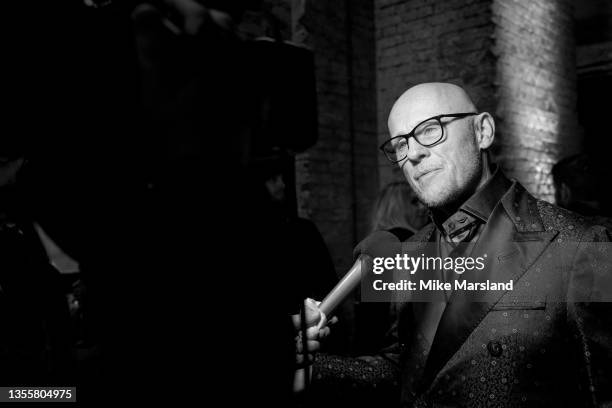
(377, 244)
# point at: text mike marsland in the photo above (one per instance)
(437, 285)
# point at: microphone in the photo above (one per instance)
(377, 244)
(344, 288)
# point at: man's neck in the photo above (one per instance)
(485, 174)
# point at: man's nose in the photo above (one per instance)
(416, 151)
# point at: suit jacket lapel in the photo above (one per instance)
(512, 239)
(417, 243)
(413, 361)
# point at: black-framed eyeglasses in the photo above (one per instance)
(427, 133)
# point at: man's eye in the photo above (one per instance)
(400, 145)
(429, 130)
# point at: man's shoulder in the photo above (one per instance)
(572, 226)
(560, 218)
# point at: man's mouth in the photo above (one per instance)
(422, 173)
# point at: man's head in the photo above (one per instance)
(451, 169)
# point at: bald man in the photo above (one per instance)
(450, 169)
(536, 344)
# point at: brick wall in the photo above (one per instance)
(536, 89)
(337, 179)
(514, 57)
(436, 40)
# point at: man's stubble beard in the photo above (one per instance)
(451, 197)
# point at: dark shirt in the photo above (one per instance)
(466, 223)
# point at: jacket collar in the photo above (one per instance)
(477, 209)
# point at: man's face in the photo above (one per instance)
(445, 172)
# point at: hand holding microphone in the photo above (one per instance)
(317, 329)
(377, 244)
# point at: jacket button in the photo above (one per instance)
(495, 348)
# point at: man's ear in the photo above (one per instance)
(484, 129)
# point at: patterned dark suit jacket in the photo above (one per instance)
(530, 347)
